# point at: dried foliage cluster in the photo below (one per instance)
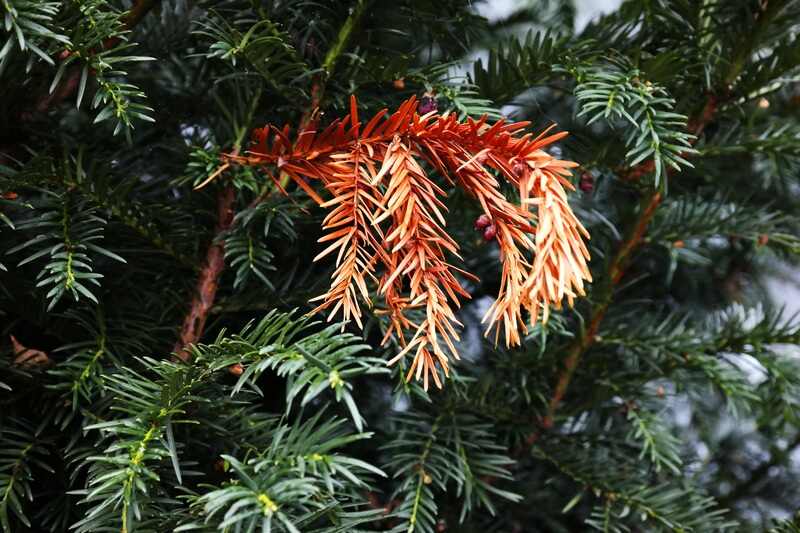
(387, 223)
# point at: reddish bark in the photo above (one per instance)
(208, 280)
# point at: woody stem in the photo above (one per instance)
(208, 280)
(329, 63)
(615, 272)
(588, 335)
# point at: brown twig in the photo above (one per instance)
(311, 114)
(616, 270)
(208, 280)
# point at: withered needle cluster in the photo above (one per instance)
(387, 226)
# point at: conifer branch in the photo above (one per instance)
(24, 450)
(127, 213)
(618, 265)
(374, 176)
(68, 89)
(616, 270)
(104, 440)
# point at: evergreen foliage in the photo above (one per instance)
(666, 399)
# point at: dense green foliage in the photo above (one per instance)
(680, 410)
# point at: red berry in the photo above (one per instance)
(489, 233)
(482, 222)
(237, 369)
(519, 169)
(427, 104)
(587, 182)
